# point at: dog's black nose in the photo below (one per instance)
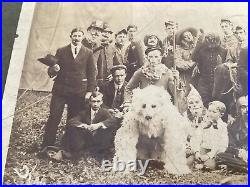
(148, 117)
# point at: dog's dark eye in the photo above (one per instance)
(153, 106)
(144, 106)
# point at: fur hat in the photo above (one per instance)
(180, 33)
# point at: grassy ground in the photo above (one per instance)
(27, 133)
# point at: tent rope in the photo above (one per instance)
(23, 109)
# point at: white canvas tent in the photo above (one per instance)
(52, 23)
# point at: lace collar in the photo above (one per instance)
(154, 72)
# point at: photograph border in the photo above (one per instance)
(14, 75)
(9, 97)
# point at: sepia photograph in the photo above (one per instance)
(127, 93)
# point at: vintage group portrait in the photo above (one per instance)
(127, 93)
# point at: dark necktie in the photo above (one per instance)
(118, 99)
(211, 124)
(76, 51)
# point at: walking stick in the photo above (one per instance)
(174, 67)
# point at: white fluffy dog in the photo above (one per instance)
(153, 114)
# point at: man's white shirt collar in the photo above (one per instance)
(93, 113)
(73, 49)
(117, 86)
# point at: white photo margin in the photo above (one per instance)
(14, 75)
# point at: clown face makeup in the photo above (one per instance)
(153, 41)
(195, 106)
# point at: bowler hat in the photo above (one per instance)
(169, 22)
(107, 28)
(121, 31)
(96, 24)
(179, 34)
(225, 20)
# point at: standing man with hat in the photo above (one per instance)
(185, 40)
(229, 40)
(134, 53)
(118, 49)
(99, 39)
(94, 38)
(168, 56)
(74, 82)
(233, 53)
(106, 61)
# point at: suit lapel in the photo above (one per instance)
(123, 89)
(112, 90)
(79, 55)
(69, 52)
(88, 116)
(98, 116)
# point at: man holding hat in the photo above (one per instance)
(74, 82)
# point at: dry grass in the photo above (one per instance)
(27, 134)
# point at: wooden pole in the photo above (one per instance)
(174, 66)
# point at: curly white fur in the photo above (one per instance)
(153, 114)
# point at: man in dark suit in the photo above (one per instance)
(134, 55)
(98, 42)
(242, 70)
(75, 80)
(236, 155)
(93, 128)
(113, 91)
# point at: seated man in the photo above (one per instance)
(236, 155)
(92, 128)
(113, 91)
